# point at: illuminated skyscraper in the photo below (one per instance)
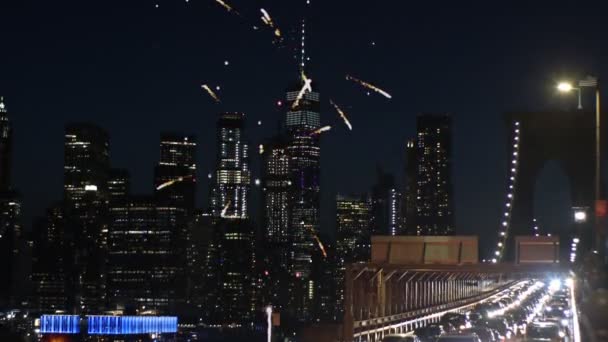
(86, 168)
(277, 184)
(434, 208)
(86, 163)
(177, 163)
(353, 228)
(304, 153)
(230, 191)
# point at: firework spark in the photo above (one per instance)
(171, 182)
(227, 7)
(321, 130)
(321, 247)
(307, 86)
(342, 114)
(211, 92)
(225, 210)
(270, 23)
(369, 86)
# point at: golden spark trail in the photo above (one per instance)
(225, 210)
(211, 92)
(306, 86)
(171, 182)
(321, 247)
(342, 114)
(321, 130)
(226, 6)
(268, 21)
(369, 86)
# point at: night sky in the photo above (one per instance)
(136, 70)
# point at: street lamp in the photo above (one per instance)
(566, 87)
(592, 82)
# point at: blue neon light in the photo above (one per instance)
(59, 324)
(126, 325)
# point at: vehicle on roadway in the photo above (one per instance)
(460, 337)
(484, 334)
(430, 332)
(401, 338)
(545, 331)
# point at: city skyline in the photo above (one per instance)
(163, 73)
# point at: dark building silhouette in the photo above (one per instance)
(231, 183)
(6, 142)
(386, 206)
(48, 261)
(12, 243)
(232, 279)
(119, 185)
(434, 213)
(86, 168)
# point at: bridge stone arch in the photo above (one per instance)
(566, 137)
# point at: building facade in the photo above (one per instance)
(434, 212)
(86, 168)
(353, 228)
(143, 263)
(386, 206)
(230, 191)
(304, 151)
(177, 163)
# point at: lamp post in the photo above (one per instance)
(591, 82)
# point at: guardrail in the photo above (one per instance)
(374, 329)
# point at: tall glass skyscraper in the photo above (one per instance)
(304, 153)
(86, 168)
(434, 213)
(353, 228)
(230, 191)
(177, 163)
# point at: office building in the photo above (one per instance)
(386, 206)
(233, 262)
(48, 261)
(143, 264)
(353, 228)
(230, 191)
(410, 185)
(177, 164)
(119, 185)
(276, 185)
(86, 168)
(434, 205)
(304, 151)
